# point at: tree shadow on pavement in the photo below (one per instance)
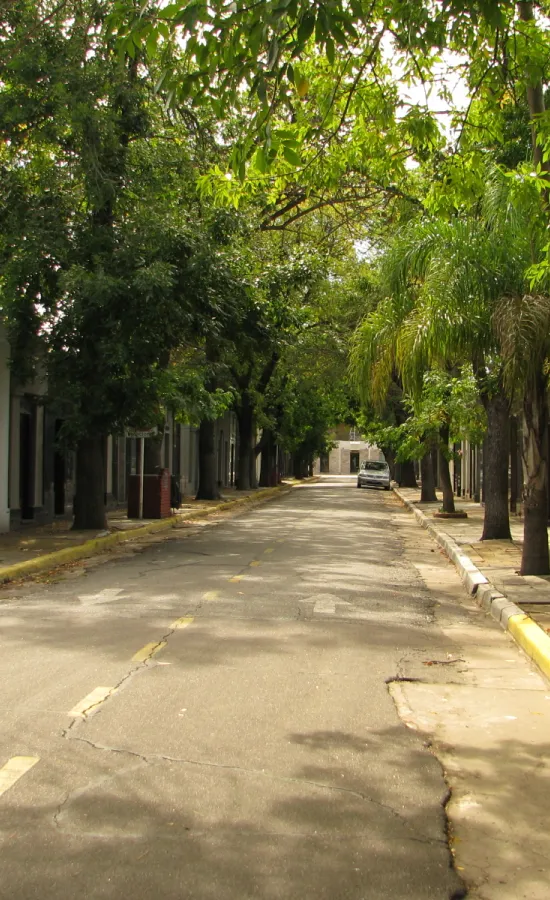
(152, 829)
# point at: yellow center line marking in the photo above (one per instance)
(255, 562)
(269, 549)
(148, 651)
(182, 623)
(14, 769)
(236, 578)
(211, 595)
(97, 696)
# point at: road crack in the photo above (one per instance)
(154, 758)
(406, 715)
(135, 670)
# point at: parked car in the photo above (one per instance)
(375, 474)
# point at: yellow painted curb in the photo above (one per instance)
(97, 545)
(532, 639)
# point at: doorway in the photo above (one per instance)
(354, 462)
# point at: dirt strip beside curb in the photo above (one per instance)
(95, 546)
(524, 630)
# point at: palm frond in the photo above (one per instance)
(372, 358)
(523, 326)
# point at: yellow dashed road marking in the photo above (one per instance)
(97, 696)
(182, 623)
(255, 562)
(211, 595)
(236, 578)
(14, 769)
(148, 651)
(269, 550)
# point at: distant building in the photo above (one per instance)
(346, 457)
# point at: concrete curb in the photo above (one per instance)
(95, 546)
(524, 630)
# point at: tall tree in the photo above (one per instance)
(460, 264)
(105, 250)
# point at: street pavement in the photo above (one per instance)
(222, 715)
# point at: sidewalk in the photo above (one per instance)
(489, 570)
(39, 548)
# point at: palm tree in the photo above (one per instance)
(473, 303)
(374, 370)
(523, 323)
(456, 266)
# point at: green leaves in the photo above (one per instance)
(306, 27)
(291, 155)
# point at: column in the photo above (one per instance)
(39, 457)
(4, 432)
(109, 467)
(15, 463)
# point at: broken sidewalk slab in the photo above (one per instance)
(532, 639)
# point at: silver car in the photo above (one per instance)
(375, 474)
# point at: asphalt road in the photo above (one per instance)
(210, 718)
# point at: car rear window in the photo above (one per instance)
(375, 466)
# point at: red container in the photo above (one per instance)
(156, 496)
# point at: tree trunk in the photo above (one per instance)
(535, 102)
(247, 458)
(535, 559)
(268, 474)
(253, 460)
(408, 475)
(89, 511)
(435, 465)
(427, 476)
(299, 465)
(153, 455)
(496, 521)
(208, 475)
(514, 474)
(444, 473)
(389, 456)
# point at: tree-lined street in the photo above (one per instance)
(212, 716)
(256, 245)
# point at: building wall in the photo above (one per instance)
(340, 456)
(31, 488)
(466, 470)
(34, 474)
(189, 455)
(226, 449)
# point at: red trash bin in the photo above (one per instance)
(156, 496)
